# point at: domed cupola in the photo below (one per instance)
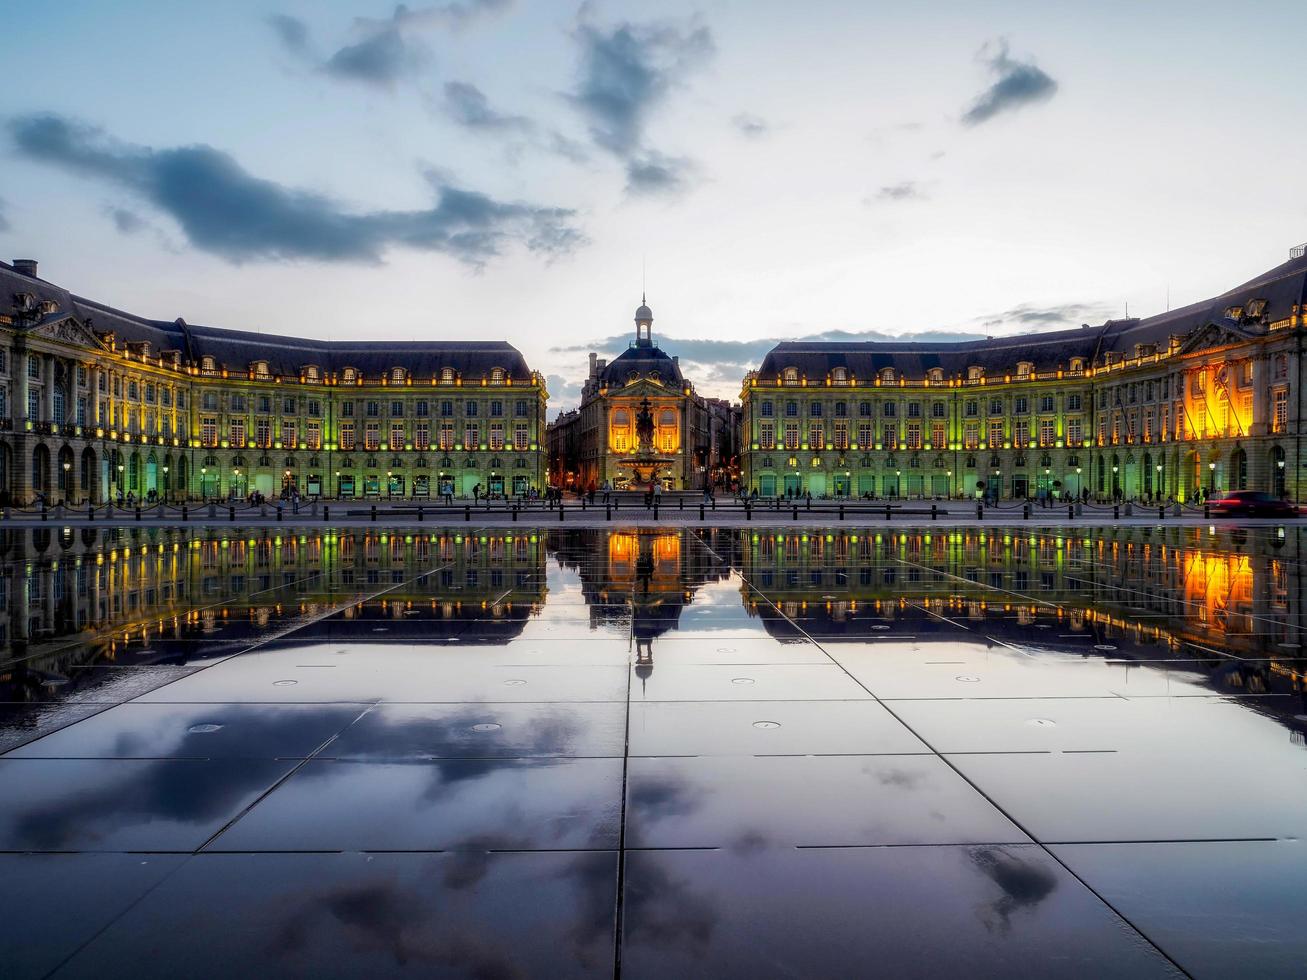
(643, 325)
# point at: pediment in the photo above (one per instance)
(67, 330)
(645, 388)
(1214, 334)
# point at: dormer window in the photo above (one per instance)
(1077, 365)
(975, 372)
(49, 306)
(839, 376)
(790, 376)
(633, 377)
(887, 374)
(312, 373)
(349, 376)
(260, 369)
(1234, 313)
(1256, 309)
(447, 376)
(654, 377)
(397, 376)
(207, 363)
(1143, 350)
(935, 375)
(1025, 369)
(497, 376)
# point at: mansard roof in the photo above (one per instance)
(1282, 289)
(237, 349)
(642, 361)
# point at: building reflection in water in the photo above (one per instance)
(1228, 603)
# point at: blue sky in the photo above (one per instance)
(505, 169)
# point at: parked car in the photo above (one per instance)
(1252, 503)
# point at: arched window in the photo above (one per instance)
(1024, 369)
(349, 375)
(260, 369)
(790, 375)
(207, 363)
(1077, 365)
(887, 374)
(935, 374)
(497, 376)
(975, 372)
(446, 375)
(311, 372)
(839, 376)
(397, 375)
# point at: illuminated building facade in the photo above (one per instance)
(600, 441)
(96, 404)
(1190, 403)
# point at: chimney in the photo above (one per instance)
(593, 357)
(25, 267)
(676, 359)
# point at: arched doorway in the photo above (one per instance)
(41, 470)
(64, 474)
(151, 481)
(1191, 488)
(1149, 485)
(1278, 483)
(179, 479)
(1238, 470)
(134, 475)
(87, 476)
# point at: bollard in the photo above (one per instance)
(1070, 512)
(213, 511)
(655, 510)
(1176, 510)
(1025, 512)
(560, 512)
(795, 515)
(160, 512)
(1116, 512)
(618, 503)
(420, 514)
(1207, 511)
(887, 512)
(748, 511)
(279, 512)
(138, 513)
(326, 511)
(231, 513)
(515, 513)
(680, 503)
(90, 513)
(1129, 509)
(980, 512)
(808, 503)
(263, 510)
(467, 512)
(1161, 513)
(185, 515)
(712, 501)
(45, 511)
(701, 512)
(841, 512)
(608, 511)
(934, 512)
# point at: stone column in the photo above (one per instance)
(47, 396)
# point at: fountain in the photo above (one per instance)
(644, 462)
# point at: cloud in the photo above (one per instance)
(127, 222)
(563, 394)
(291, 31)
(468, 106)
(4, 220)
(626, 72)
(908, 190)
(227, 211)
(1018, 83)
(451, 16)
(747, 124)
(1071, 314)
(382, 59)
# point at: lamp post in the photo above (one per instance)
(120, 479)
(236, 477)
(1279, 479)
(1211, 479)
(204, 472)
(1079, 480)
(66, 488)
(1157, 487)
(389, 474)
(166, 485)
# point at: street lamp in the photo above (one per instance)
(166, 486)
(1211, 479)
(66, 488)
(388, 476)
(204, 472)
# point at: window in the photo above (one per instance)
(315, 408)
(312, 373)
(261, 369)
(236, 432)
(841, 434)
(446, 434)
(1047, 430)
(521, 436)
(1020, 405)
(238, 403)
(935, 375)
(208, 431)
(373, 409)
(149, 392)
(263, 433)
(165, 397)
(133, 392)
(313, 435)
(210, 400)
(816, 436)
(839, 376)
(1281, 366)
(1025, 369)
(396, 410)
(890, 410)
(914, 435)
(864, 409)
(767, 435)
(497, 377)
(864, 434)
(791, 435)
(996, 406)
(971, 436)
(397, 436)
(766, 409)
(207, 364)
(972, 408)
(1073, 403)
(471, 411)
(914, 410)
(889, 435)
(1021, 436)
(521, 409)
(790, 376)
(446, 375)
(471, 436)
(1077, 365)
(814, 410)
(347, 410)
(975, 372)
(421, 409)
(496, 436)
(347, 436)
(372, 436)
(349, 376)
(397, 376)
(288, 434)
(841, 410)
(496, 409)
(995, 434)
(446, 409)
(1245, 373)
(1280, 410)
(265, 403)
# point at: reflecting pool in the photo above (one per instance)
(639, 752)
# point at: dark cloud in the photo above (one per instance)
(468, 106)
(382, 59)
(907, 190)
(562, 392)
(1018, 83)
(747, 124)
(291, 31)
(1068, 314)
(626, 72)
(127, 222)
(225, 210)
(452, 16)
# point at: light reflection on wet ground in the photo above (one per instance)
(760, 752)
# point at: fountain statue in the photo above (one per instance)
(645, 462)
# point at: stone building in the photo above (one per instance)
(1189, 403)
(599, 442)
(96, 403)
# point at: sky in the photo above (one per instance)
(505, 169)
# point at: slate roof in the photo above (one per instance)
(1283, 288)
(237, 349)
(641, 360)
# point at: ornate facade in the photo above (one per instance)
(600, 442)
(1189, 403)
(96, 404)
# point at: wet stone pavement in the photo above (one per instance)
(679, 752)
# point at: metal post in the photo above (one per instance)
(1025, 512)
(1070, 512)
(231, 513)
(887, 512)
(1207, 511)
(980, 512)
(655, 510)
(1161, 513)
(279, 512)
(420, 514)
(1116, 512)
(561, 512)
(841, 512)
(701, 512)
(795, 515)
(467, 512)
(608, 511)
(326, 511)
(90, 513)
(934, 512)
(374, 512)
